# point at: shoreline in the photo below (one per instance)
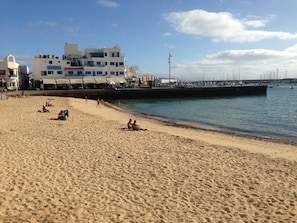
(208, 127)
(260, 145)
(222, 131)
(88, 169)
(290, 147)
(182, 124)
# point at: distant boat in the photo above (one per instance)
(291, 87)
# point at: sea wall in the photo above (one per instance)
(150, 93)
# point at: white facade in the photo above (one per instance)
(95, 63)
(9, 73)
(49, 66)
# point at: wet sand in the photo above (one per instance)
(89, 169)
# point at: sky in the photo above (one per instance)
(207, 39)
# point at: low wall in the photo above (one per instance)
(3, 95)
(149, 93)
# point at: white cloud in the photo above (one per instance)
(51, 23)
(41, 23)
(255, 23)
(167, 34)
(292, 49)
(246, 64)
(222, 26)
(253, 55)
(25, 60)
(73, 30)
(108, 3)
(169, 46)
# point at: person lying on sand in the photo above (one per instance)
(63, 115)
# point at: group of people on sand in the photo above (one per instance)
(133, 126)
(63, 114)
(47, 104)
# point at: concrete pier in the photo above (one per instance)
(150, 93)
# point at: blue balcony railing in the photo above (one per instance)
(13, 76)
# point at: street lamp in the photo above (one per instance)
(169, 61)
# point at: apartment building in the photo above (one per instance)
(88, 67)
(13, 76)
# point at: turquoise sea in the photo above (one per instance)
(272, 116)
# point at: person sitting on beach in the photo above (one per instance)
(61, 115)
(129, 124)
(66, 113)
(44, 109)
(136, 126)
(48, 104)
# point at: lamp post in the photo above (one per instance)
(169, 67)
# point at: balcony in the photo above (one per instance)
(12, 76)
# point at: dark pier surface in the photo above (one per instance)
(150, 93)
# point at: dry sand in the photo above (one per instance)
(87, 169)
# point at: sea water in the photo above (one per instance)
(271, 116)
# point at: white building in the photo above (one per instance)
(91, 66)
(9, 73)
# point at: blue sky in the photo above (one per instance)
(208, 39)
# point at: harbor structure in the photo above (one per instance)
(113, 94)
(89, 68)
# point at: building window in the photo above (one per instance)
(121, 63)
(43, 73)
(59, 72)
(105, 63)
(88, 72)
(111, 63)
(54, 67)
(90, 63)
(96, 54)
(50, 72)
(50, 62)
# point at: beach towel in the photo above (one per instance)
(130, 129)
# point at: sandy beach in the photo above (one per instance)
(89, 169)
